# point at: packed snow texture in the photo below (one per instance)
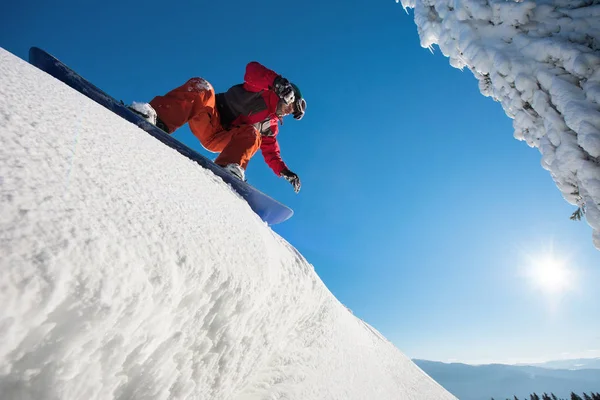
(129, 272)
(541, 61)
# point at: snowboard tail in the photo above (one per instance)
(268, 209)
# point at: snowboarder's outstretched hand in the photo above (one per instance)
(283, 88)
(292, 178)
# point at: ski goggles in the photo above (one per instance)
(299, 108)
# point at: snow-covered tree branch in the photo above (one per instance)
(541, 61)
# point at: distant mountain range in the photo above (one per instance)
(500, 381)
(578, 363)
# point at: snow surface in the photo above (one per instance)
(129, 272)
(541, 61)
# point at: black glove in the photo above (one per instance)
(292, 178)
(283, 88)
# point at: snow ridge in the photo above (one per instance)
(129, 272)
(541, 61)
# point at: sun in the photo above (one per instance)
(551, 274)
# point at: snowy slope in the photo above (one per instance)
(541, 61)
(129, 272)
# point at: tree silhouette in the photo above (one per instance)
(552, 396)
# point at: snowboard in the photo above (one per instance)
(268, 209)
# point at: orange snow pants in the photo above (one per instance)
(194, 103)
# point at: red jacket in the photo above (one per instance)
(254, 103)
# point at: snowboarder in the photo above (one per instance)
(235, 123)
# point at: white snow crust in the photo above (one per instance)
(129, 272)
(541, 61)
(199, 85)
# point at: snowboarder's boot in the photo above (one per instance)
(146, 111)
(236, 170)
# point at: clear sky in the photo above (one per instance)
(419, 210)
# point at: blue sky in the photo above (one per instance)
(419, 210)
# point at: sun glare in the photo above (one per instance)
(551, 274)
